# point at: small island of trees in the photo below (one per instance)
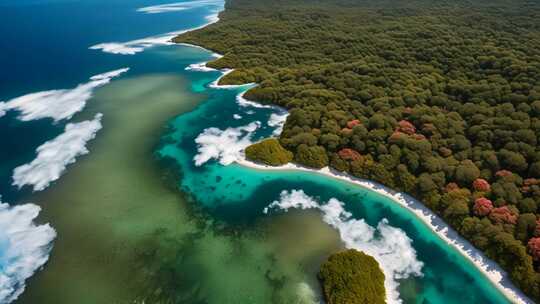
(352, 277)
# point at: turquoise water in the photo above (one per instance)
(55, 56)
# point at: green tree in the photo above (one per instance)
(525, 226)
(314, 156)
(269, 152)
(352, 277)
(467, 172)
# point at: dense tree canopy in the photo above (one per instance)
(438, 98)
(352, 277)
(269, 152)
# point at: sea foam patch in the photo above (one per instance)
(390, 246)
(243, 102)
(54, 155)
(199, 67)
(180, 6)
(226, 146)
(136, 46)
(58, 104)
(24, 248)
(277, 121)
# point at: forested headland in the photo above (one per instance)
(436, 98)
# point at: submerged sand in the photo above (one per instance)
(127, 235)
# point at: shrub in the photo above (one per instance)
(269, 152)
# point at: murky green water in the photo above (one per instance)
(127, 234)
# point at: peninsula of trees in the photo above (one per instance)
(437, 98)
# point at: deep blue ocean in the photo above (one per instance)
(46, 47)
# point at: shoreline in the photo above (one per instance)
(491, 270)
(139, 45)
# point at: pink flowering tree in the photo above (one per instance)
(481, 184)
(533, 246)
(482, 206)
(503, 215)
(349, 154)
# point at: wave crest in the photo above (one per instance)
(24, 248)
(58, 104)
(54, 155)
(180, 6)
(226, 146)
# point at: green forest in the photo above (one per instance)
(439, 99)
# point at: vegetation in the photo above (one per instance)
(352, 277)
(438, 98)
(269, 152)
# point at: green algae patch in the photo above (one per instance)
(269, 152)
(352, 277)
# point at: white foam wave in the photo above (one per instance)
(199, 67)
(241, 101)
(136, 46)
(58, 104)
(226, 146)
(179, 6)
(237, 116)
(24, 248)
(139, 45)
(390, 246)
(277, 120)
(215, 84)
(54, 155)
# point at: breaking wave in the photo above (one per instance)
(180, 6)
(226, 146)
(58, 104)
(24, 248)
(139, 45)
(54, 155)
(277, 121)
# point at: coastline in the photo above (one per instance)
(488, 267)
(491, 270)
(139, 45)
